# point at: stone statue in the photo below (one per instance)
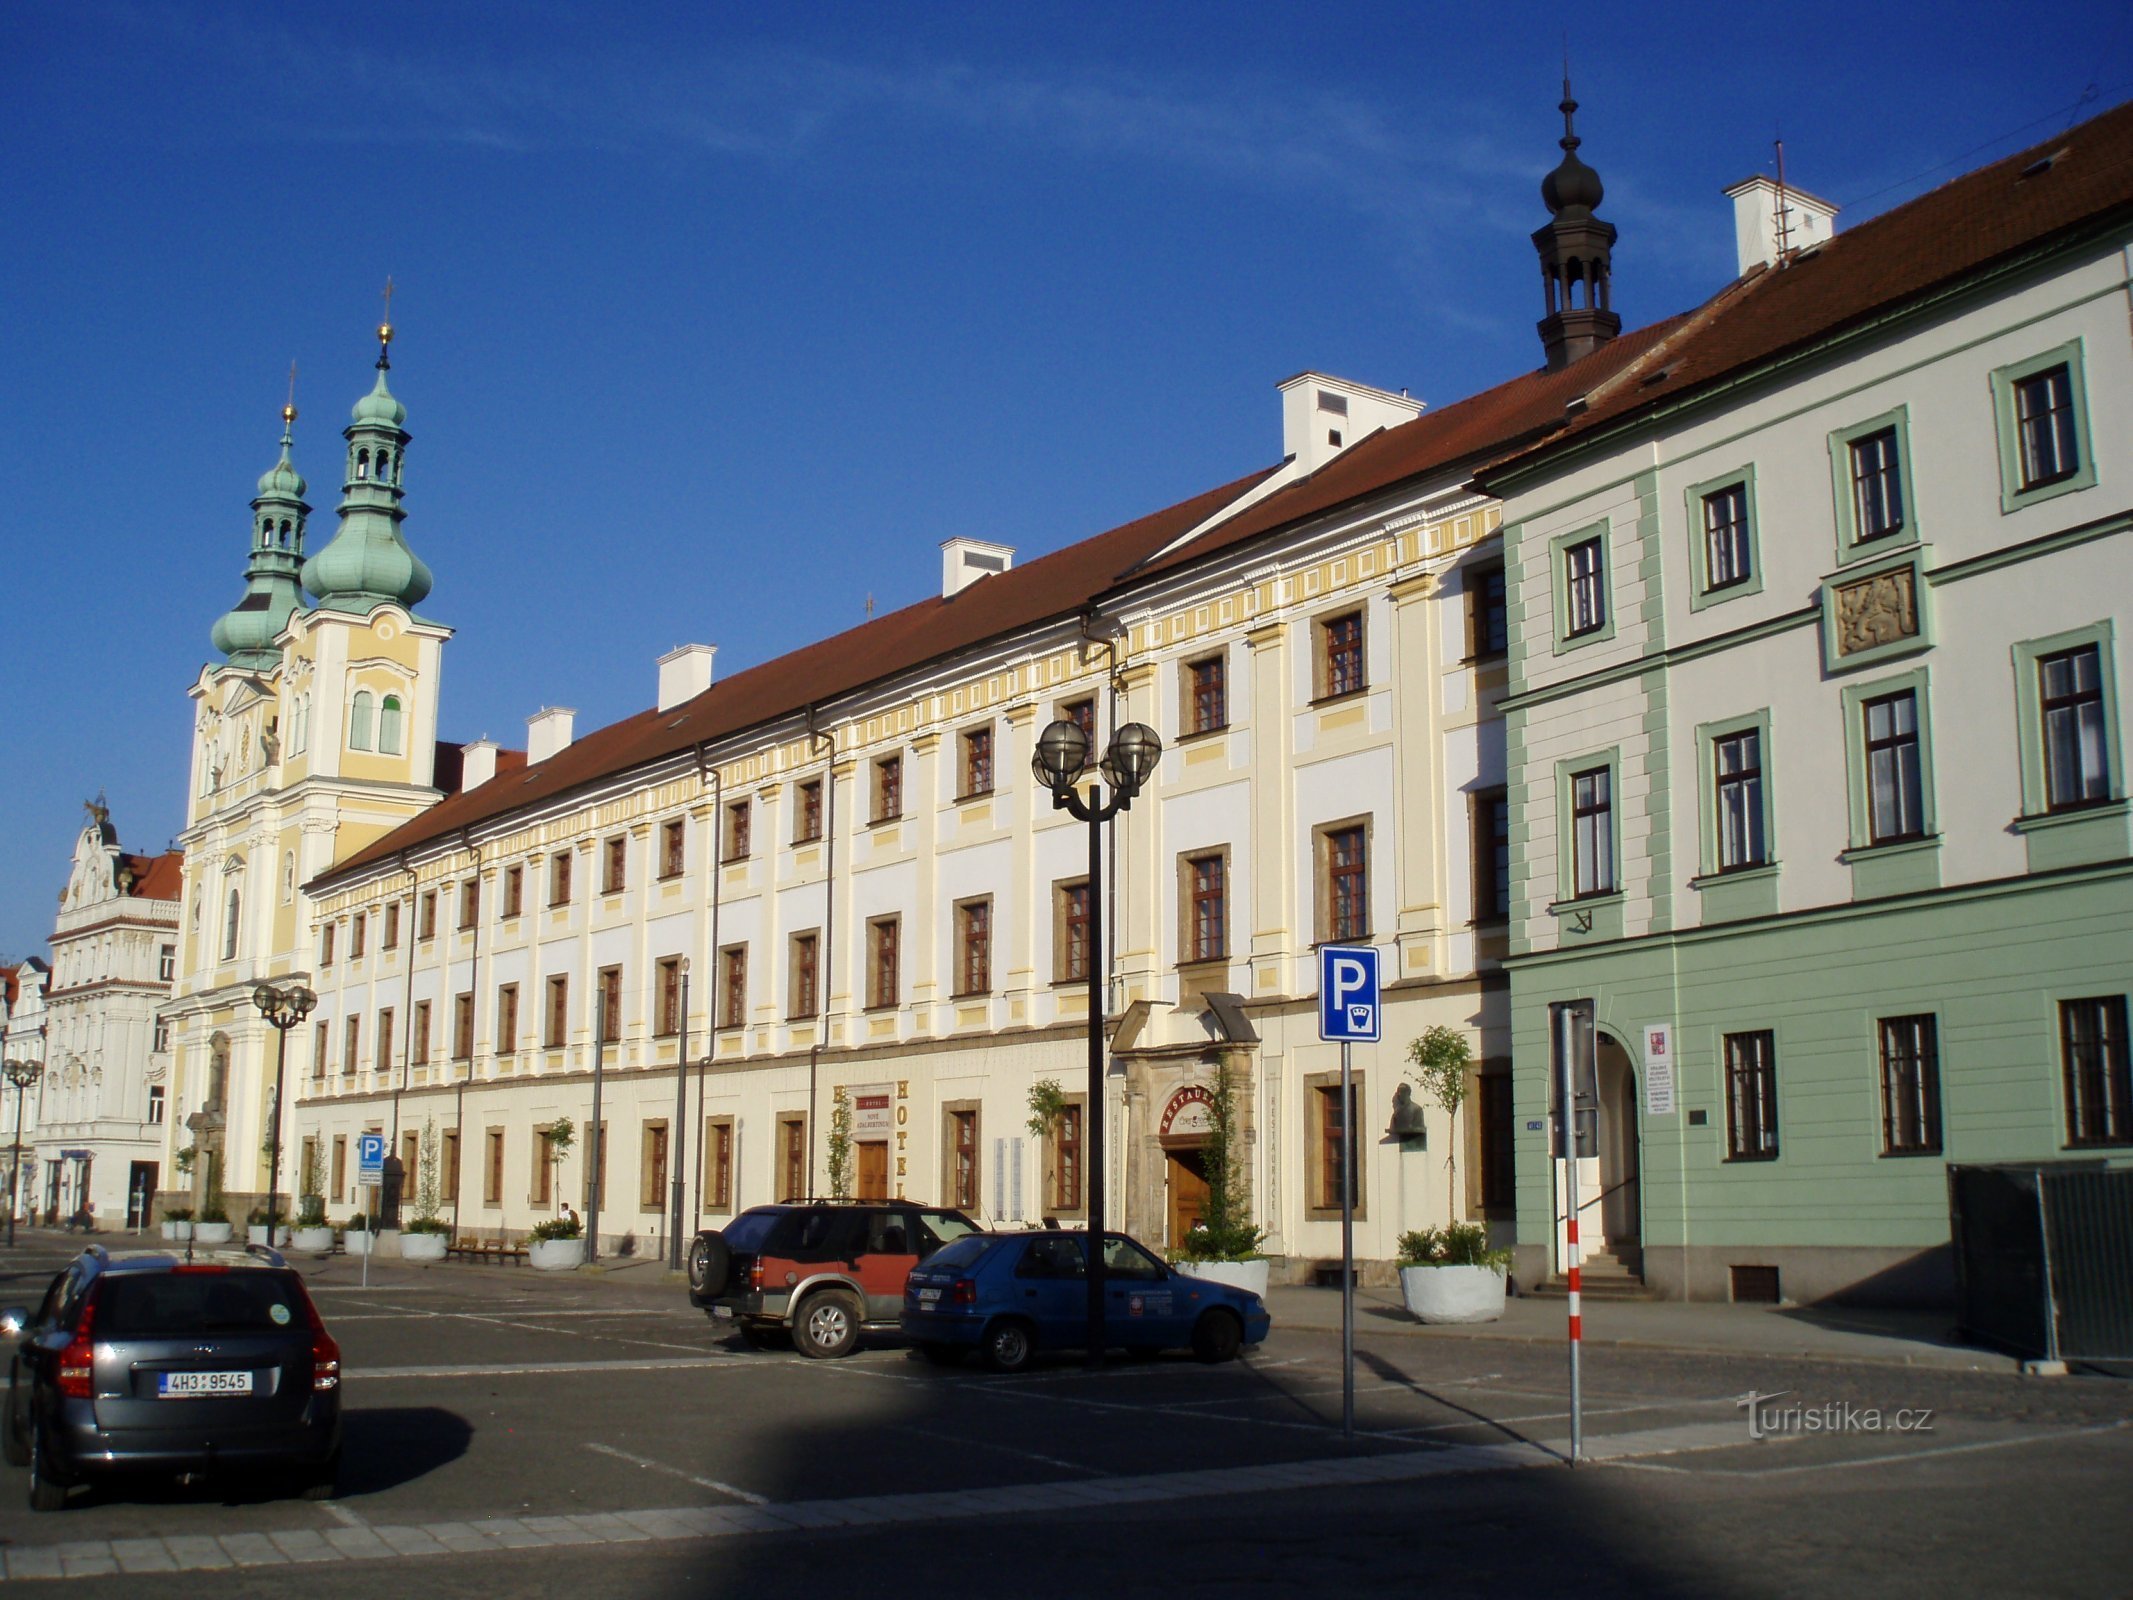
(1407, 1120)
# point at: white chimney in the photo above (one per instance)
(547, 732)
(477, 764)
(684, 673)
(964, 561)
(1322, 416)
(1756, 214)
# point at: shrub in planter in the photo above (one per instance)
(425, 1239)
(178, 1222)
(556, 1245)
(1451, 1275)
(212, 1226)
(555, 1228)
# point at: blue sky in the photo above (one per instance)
(715, 320)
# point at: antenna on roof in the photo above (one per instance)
(1784, 210)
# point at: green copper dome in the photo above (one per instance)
(246, 633)
(368, 562)
(379, 406)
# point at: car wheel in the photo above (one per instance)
(326, 1481)
(47, 1493)
(758, 1337)
(942, 1355)
(827, 1326)
(1217, 1336)
(1010, 1345)
(13, 1444)
(710, 1264)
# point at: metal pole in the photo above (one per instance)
(281, 1064)
(595, 1167)
(681, 1123)
(1093, 1116)
(14, 1178)
(1565, 1047)
(1347, 1241)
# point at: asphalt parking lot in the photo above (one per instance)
(569, 1434)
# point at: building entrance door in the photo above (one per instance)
(1188, 1192)
(873, 1170)
(140, 1192)
(1621, 1211)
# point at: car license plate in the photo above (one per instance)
(722, 1313)
(926, 1297)
(174, 1385)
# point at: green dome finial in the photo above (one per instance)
(368, 561)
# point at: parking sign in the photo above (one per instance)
(370, 1159)
(1348, 992)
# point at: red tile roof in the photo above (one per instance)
(2080, 180)
(157, 877)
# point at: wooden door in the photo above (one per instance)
(1188, 1193)
(873, 1170)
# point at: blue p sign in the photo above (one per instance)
(1347, 992)
(370, 1158)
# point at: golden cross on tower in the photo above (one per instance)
(288, 411)
(385, 327)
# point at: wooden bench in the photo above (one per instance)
(497, 1249)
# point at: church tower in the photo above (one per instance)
(1575, 255)
(246, 634)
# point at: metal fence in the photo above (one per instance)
(2044, 1257)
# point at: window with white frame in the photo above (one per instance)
(2099, 1070)
(2047, 443)
(1895, 793)
(1592, 832)
(1584, 588)
(1877, 485)
(2070, 700)
(1910, 1086)
(1726, 551)
(1737, 761)
(1751, 1096)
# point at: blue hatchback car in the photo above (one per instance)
(1011, 1295)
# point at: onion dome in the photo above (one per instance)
(368, 562)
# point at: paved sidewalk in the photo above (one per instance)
(1904, 1338)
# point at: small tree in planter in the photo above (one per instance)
(425, 1235)
(839, 1158)
(310, 1196)
(212, 1226)
(1450, 1274)
(556, 1140)
(555, 1244)
(1225, 1235)
(1441, 1057)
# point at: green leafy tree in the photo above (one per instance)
(1441, 1058)
(556, 1141)
(840, 1145)
(1225, 1231)
(1047, 1104)
(429, 1173)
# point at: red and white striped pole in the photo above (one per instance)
(1566, 1022)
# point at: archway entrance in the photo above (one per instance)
(1183, 1132)
(1621, 1209)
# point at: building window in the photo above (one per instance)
(807, 812)
(158, 1105)
(384, 1053)
(1497, 1142)
(1063, 1160)
(673, 840)
(1206, 885)
(463, 1026)
(1492, 854)
(1592, 832)
(559, 878)
(670, 995)
(1895, 796)
(448, 1166)
(738, 817)
(162, 1037)
(1341, 650)
(615, 858)
(888, 789)
(232, 913)
(2099, 1070)
(973, 947)
(962, 1143)
(492, 1167)
(1328, 1143)
(389, 725)
(2070, 698)
(558, 1024)
(1584, 588)
(1728, 557)
(1877, 486)
(2046, 444)
(418, 1044)
(1344, 874)
(1488, 617)
(1070, 933)
(792, 1157)
(542, 1192)
(325, 944)
(167, 963)
(321, 1048)
(359, 721)
(801, 994)
(1738, 774)
(1208, 687)
(391, 938)
(977, 763)
(652, 1188)
(1082, 713)
(340, 1168)
(351, 1046)
(507, 1019)
(426, 922)
(733, 986)
(1910, 1086)
(882, 960)
(469, 903)
(718, 1164)
(1751, 1096)
(356, 930)
(610, 979)
(514, 891)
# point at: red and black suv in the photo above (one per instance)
(822, 1271)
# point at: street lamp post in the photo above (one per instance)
(1061, 760)
(283, 1009)
(23, 1075)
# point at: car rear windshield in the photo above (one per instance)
(181, 1304)
(747, 1231)
(962, 1252)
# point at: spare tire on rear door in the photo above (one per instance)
(710, 1264)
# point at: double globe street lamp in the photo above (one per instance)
(283, 1008)
(1061, 762)
(23, 1075)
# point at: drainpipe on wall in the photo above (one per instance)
(407, 1008)
(459, 1122)
(714, 979)
(829, 931)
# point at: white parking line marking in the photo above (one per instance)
(1924, 1453)
(1004, 1449)
(543, 1369)
(649, 1465)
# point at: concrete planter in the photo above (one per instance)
(1247, 1275)
(1453, 1294)
(358, 1243)
(313, 1241)
(177, 1232)
(257, 1234)
(556, 1255)
(212, 1232)
(423, 1246)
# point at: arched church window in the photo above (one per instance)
(359, 722)
(229, 926)
(362, 463)
(288, 876)
(389, 726)
(385, 466)
(285, 533)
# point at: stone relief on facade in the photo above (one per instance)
(1882, 609)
